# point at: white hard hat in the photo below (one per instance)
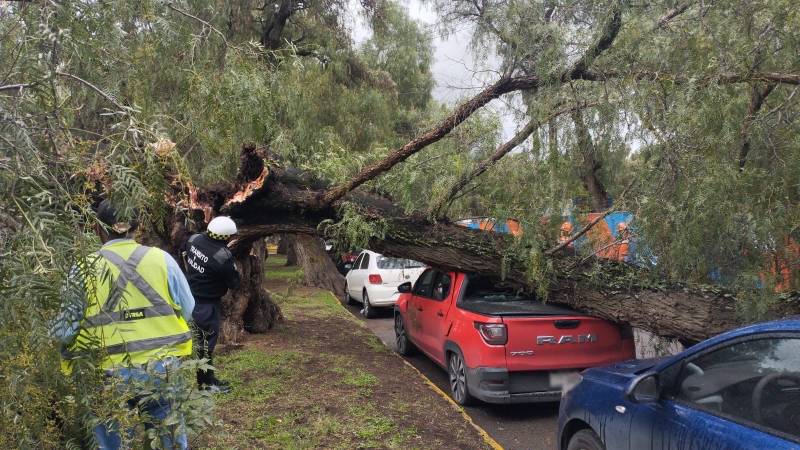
(221, 228)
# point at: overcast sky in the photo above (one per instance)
(456, 70)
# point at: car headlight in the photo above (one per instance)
(570, 383)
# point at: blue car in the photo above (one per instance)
(738, 390)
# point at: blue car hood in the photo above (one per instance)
(631, 367)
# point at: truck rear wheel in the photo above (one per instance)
(459, 387)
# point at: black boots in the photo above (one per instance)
(206, 380)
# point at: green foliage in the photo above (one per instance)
(399, 47)
(696, 213)
(354, 229)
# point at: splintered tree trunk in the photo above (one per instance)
(319, 270)
(248, 308)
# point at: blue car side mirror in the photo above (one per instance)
(644, 389)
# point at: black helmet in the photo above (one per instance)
(108, 214)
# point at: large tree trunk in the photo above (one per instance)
(289, 243)
(275, 202)
(318, 269)
(248, 308)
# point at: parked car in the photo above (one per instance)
(374, 278)
(498, 345)
(345, 262)
(739, 390)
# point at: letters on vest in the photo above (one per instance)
(195, 255)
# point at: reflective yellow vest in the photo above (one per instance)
(130, 315)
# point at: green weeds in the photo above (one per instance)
(257, 376)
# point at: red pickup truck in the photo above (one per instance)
(499, 345)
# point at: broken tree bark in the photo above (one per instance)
(248, 308)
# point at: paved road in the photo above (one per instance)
(515, 427)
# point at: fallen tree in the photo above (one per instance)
(267, 199)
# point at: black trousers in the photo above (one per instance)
(207, 319)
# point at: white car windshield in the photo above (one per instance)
(385, 262)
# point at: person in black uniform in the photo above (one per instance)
(211, 272)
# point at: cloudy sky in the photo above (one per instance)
(458, 73)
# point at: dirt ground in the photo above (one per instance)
(321, 379)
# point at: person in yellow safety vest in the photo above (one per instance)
(131, 305)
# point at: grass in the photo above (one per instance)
(257, 376)
(277, 270)
(320, 305)
(283, 376)
(375, 344)
(321, 379)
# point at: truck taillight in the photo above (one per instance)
(493, 333)
(375, 279)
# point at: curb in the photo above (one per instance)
(486, 438)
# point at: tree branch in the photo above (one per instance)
(16, 87)
(757, 97)
(721, 78)
(91, 86)
(273, 28)
(503, 86)
(191, 16)
(589, 226)
(206, 23)
(498, 154)
(590, 165)
(671, 14)
(602, 43)
(579, 71)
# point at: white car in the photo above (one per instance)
(374, 278)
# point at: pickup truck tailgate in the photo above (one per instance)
(561, 342)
